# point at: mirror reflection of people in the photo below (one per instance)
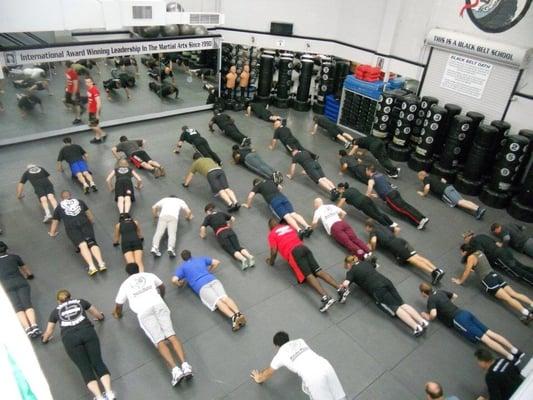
(231, 79)
(244, 80)
(72, 91)
(164, 90)
(94, 109)
(26, 103)
(43, 187)
(31, 85)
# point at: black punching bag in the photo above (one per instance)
(266, 72)
(284, 80)
(301, 103)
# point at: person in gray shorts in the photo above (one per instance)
(197, 273)
(447, 193)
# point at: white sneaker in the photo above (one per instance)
(422, 223)
(155, 251)
(424, 324)
(251, 261)
(47, 218)
(244, 263)
(187, 370)
(171, 253)
(109, 396)
(177, 375)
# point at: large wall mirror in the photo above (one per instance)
(137, 80)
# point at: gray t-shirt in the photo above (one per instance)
(129, 146)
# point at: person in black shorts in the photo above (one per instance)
(334, 132)
(124, 193)
(313, 170)
(352, 196)
(134, 151)
(248, 157)
(76, 157)
(381, 289)
(14, 276)
(493, 283)
(26, 102)
(447, 193)
(128, 234)
(44, 190)
(285, 136)
(78, 220)
(377, 148)
(440, 305)
(221, 223)
(164, 90)
(353, 165)
(81, 341)
(280, 205)
(261, 111)
(503, 378)
(227, 125)
(401, 250)
(198, 142)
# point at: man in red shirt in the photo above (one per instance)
(284, 239)
(94, 107)
(72, 91)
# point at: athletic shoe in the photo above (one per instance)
(244, 264)
(367, 255)
(95, 141)
(187, 370)
(480, 212)
(77, 121)
(34, 332)
(327, 302)
(92, 271)
(155, 251)
(343, 295)
(422, 223)
(436, 276)
(110, 395)
(517, 358)
(162, 171)
(47, 218)
(157, 172)
(94, 188)
(177, 375)
(526, 318)
(234, 325)
(334, 194)
(347, 145)
(246, 142)
(86, 189)
(394, 175)
(241, 320)
(102, 267)
(301, 234)
(424, 324)
(308, 231)
(251, 261)
(277, 177)
(171, 253)
(419, 331)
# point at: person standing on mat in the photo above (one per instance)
(377, 148)
(280, 206)
(352, 196)
(221, 223)
(197, 272)
(440, 305)
(353, 165)
(134, 151)
(513, 236)
(81, 341)
(14, 276)
(378, 182)
(78, 220)
(332, 218)
(216, 178)
(44, 190)
(261, 111)
(502, 377)
(313, 170)
(248, 157)
(319, 379)
(332, 130)
(76, 157)
(401, 250)
(124, 192)
(94, 110)
(287, 139)
(167, 212)
(447, 193)
(144, 292)
(72, 91)
(128, 235)
(382, 290)
(198, 142)
(493, 283)
(227, 125)
(284, 240)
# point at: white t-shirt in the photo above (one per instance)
(141, 292)
(297, 357)
(34, 73)
(171, 206)
(328, 215)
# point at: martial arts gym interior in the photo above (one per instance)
(229, 199)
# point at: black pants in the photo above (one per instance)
(395, 201)
(503, 258)
(369, 208)
(380, 154)
(205, 150)
(83, 348)
(234, 134)
(229, 241)
(359, 173)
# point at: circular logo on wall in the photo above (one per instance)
(494, 16)
(505, 172)
(514, 147)
(429, 140)
(510, 157)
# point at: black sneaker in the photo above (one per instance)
(395, 174)
(94, 188)
(95, 141)
(517, 358)
(308, 231)
(327, 302)
(436, 276)
(343, 295)
(86, 190)
(347, 145)
(480, 213)
(77, 121)
(301, 234)
(246, 142)
(334, 194)
(419, 331)
(277, 177)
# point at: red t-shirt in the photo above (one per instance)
(71, 76)
(285, 239)
(92, 94)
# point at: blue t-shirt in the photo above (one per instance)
(195, 271)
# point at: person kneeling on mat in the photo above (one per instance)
(332, 129)
(124, 192)
(76, 157)
(221, 222)
(128, 234)
(227, 125)
(78, 220)
(401, 250)
(133, 149)
(248, 157)
(513, 235)
(261, 111)
(285, 240)
(44, 189)
(447, 193)
(197, 273)
(440, 305)
(382, 290)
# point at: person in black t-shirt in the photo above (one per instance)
(332, 129)
(440, 305)
(112, 84)
(164, 90)
(198, 142)
(261, 111)
(381, 289)
(377, 148)
(248, 157)
(128, 234)
(227, 125)
(26, 102)
(14, 276)
(221, 222)
(76, 157)
(81, 341)
(280, 205)
(447, 193)
(124, 193)
(313, 170)
(514, 236)
(285, 136)
(502, 377)
(354, 165)
(78, 220)
(44, 190)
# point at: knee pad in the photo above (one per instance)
(91, 242)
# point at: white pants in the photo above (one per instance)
(167, 223)
(323, 384)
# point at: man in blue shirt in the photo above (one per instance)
(196, 272)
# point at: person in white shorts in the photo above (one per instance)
(144, 292)
(168, 210)
(319, 380)
(196, 272)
